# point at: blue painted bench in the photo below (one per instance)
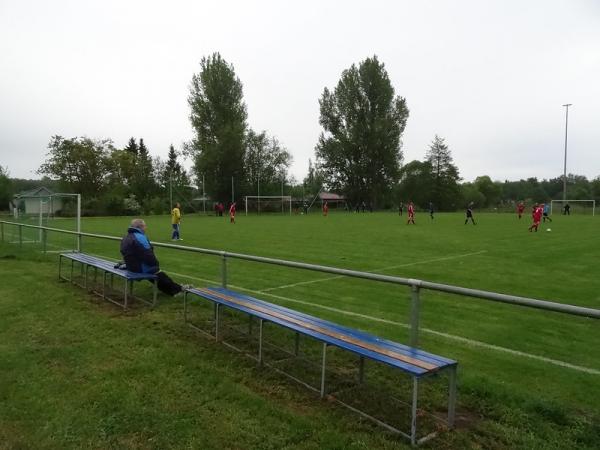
(108, 270)
(416, 363)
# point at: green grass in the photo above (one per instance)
(75, 372)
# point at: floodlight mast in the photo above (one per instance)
(565, 165)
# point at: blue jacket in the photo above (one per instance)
(138, 253)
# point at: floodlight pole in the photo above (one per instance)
(203, 196)
(171, 189)
(565, 165)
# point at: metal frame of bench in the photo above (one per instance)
(417, 363)
(107, 267)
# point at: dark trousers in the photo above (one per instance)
(166, 284)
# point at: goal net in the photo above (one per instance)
(62, 211)
(260, 204)
(574, 207)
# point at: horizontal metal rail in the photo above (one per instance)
(418, 284)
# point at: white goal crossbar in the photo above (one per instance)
(269, 198)
(593, 202)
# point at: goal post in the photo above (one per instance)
(268, 204)
(55, 210)
(581, 206)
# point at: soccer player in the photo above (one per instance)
(520, 209)
(537, 217)
(411, 213)
(401, 209)
(176, 222)
(546, 210)
(232, 213)
(567, 210)
(470, 214)
(325, 209)
(431, 210)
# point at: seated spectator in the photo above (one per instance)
(139, 257)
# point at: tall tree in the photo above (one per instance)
(79, 163)
(132, 147)
(144, 185)
(363, 121)
(445, 190)
(416, 181)
(266, 160)
(218, 116)
(6, 189)
(173, 173)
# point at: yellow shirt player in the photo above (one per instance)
(176, 221)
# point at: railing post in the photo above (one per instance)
(20, 235)
(44, 239)
(224, 270)
(79, 239)
(414, 315)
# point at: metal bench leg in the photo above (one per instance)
(451, 396)
(124, 293)
(72, 262)
(323, 370)
(85, 276)
(60, 257)
(104, 285)
(155, 293)
(217, 322)
(361, 370)
(185, 317)
(413, 422)
(260, 341)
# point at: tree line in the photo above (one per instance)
(358, 154)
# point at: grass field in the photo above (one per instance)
(527, 378)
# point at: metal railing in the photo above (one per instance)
(414, 284)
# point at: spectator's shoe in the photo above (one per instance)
(180, 239)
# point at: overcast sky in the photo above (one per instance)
(488, 76)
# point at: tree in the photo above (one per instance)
(445, 189)
(79, 163)
(218, 116)
(416, 181)
(363, 121)
(144, 184)
(6, 189)
(172, 174)
(492, 192)
(314, 180)
(265, 160)
(132, 147)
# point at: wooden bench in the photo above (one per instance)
(416, 363)
(108, 270)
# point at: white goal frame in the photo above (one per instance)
(593, 202)
(46, 203)
(283, 199)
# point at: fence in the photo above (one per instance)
(414, 285)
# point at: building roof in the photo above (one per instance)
(37, 192)
(330, 196)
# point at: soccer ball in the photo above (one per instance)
(548, 229)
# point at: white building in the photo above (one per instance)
(30, 202)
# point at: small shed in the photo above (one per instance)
(333, 200)
(30, 202)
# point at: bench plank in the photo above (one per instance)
(409, 359)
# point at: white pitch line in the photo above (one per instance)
(453, 337)
(427, 261)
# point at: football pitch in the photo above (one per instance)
(534, 372)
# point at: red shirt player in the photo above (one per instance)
(520, 209)
(232, 213)
(411, 213)
(325, 209)
(537, 217)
